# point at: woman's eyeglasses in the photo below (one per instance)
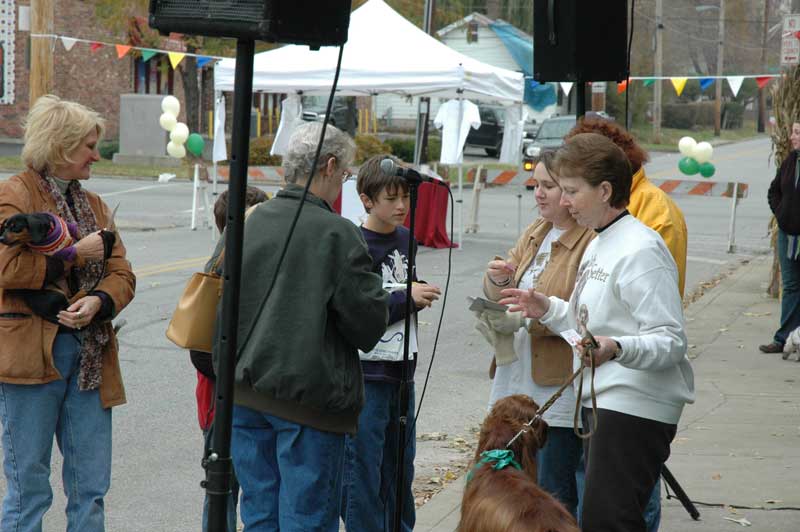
(346, 175)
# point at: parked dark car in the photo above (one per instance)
(490, 135)
(344, 114)
(550, 135)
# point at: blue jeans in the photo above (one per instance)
(233, 498)
(652, 512)
(32, 415)
(368, 496)
(560, 467)
(290, 474)
(790, 300)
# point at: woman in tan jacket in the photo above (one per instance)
(59, 371)
(546, 257)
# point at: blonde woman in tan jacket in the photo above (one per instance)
(546, 257)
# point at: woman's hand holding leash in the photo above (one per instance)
(605, 349)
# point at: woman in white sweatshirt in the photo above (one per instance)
(626, 295)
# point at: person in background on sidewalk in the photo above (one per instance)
(298, 382)
(784, 201)
(546, 258)
(655, 209)
(628, 283)
(370, 468)
(206, 379)
(60, 379)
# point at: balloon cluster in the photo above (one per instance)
(178, 131)
(696, 157)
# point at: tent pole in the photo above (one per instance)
(460, 178)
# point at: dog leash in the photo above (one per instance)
(557, 395)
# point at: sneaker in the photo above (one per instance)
(773, 347)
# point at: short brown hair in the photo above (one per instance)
(618, 135)
(253, 196)
(371, 179)
(595, 158)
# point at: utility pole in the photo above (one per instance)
(424, 107)
(658, 72)
(720, 57)
(762, 96)
(41, 76)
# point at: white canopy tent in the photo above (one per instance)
(384, 53)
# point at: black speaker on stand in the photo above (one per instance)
(308, 22)
(580, 41)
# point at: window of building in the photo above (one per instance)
(472, 32)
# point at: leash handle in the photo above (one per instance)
(575, 428)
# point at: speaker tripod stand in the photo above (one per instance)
(679, 493)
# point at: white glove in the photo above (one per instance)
(506, 322)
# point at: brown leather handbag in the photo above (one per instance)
(192, 323)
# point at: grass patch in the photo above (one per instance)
(670, 137)
(103, 167)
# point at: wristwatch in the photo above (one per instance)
(618, 351)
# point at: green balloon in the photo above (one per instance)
(707, 169)
(195, 144)
(688, 166)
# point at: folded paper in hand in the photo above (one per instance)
(479, 304)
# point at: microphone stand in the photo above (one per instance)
(413, 181)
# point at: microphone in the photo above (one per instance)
(389, 167)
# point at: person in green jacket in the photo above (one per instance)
(298, 382)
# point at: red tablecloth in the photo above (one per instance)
(431, 225)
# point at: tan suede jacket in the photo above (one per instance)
(26, 349)
(552, 356)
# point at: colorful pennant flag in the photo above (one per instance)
(648, 82)
(679, 84)
(705, 83)
(147, 54)
(202, 61)
(94, 46)
(735, 83)
(175, 59)
(68, 43)
(566, 86)
(122, 49)
(622, 86)
(762, 81)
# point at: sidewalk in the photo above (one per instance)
(739, 444)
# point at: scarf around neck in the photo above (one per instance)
(93, 337)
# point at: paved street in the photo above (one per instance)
(157, 443)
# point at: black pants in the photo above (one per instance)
(623, 463)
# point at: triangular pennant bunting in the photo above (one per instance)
(735, 83)
(68, 43)
(679, 84)
(566, 86)
(95, 46)
(762, 81)
(648, 82)
(147, 54)
(705, 83)
(175, 59)
(122, 49)
(202, 61)
(622, 86)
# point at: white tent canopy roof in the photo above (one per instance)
(385, 53)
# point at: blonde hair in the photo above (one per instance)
(54, 129)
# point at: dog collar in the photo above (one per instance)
(499, 458)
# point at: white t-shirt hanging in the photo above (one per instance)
(291, 117)
(517, 377)
(454, 134)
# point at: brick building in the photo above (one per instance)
(93, 78)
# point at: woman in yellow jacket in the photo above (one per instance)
(648, 203)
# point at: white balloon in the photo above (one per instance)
(179, 133)
(702, 152)
(171, 105)
(686, 146)
(176, 150)
(167, 121)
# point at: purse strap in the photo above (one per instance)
(221, 255)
